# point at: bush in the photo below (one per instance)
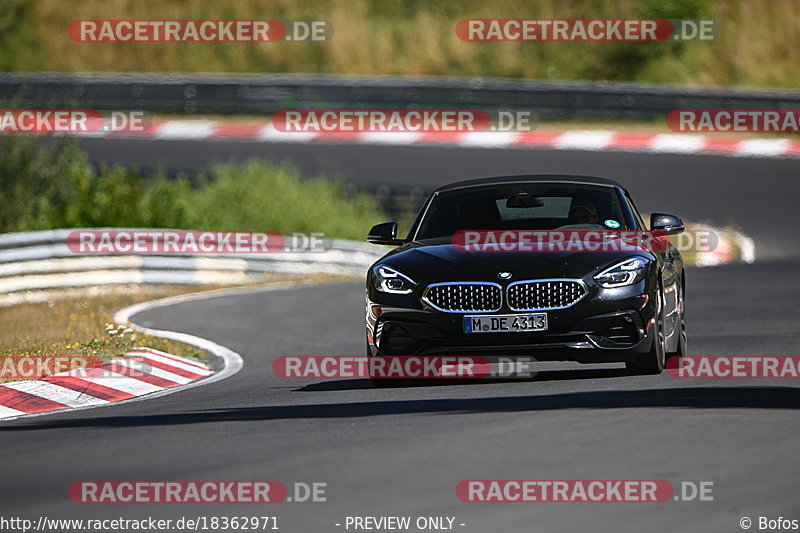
(48, 185)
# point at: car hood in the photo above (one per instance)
(435, 261)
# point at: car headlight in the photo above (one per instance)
(390, 280)
(627, 272)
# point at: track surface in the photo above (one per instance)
(760, 195)
(402, 451)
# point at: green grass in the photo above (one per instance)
(52, 185)
(759, 44)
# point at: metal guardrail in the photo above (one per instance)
(263, 94)
(37, 266)
(41, 260)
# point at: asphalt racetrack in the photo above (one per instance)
(761, 195)
(402, 451)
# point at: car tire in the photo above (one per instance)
(681, 349)
(652, 363)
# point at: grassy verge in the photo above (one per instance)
(757, 44)
(84, 327)
(81, 327)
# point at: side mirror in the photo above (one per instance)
(385, 233)
(666, 223)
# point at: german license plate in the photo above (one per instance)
(505, 323)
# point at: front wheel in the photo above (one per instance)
(680, 349)
(652, 363)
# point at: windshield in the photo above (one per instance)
(523, 206)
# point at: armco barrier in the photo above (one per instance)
(263, 94)
(41, 260)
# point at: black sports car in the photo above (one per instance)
(453, 287)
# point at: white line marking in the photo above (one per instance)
(115, 381)
(747, 247)
(569, 140)
(584, 140)
(8, 413)
(185, 129)
(143, 368)
(674, 143)
(763, 147)
(171, 362)
(186, 360)
(55, 393)
(269, 134)
(488, 139)
(394, 137)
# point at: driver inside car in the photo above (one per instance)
(583, 213)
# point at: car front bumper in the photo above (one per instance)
(610, 326)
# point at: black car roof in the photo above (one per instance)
(557, 178)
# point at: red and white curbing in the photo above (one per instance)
(142, 372)
(591, 140)
(731, 247)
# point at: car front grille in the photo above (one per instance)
(544, 294)
(466, 297)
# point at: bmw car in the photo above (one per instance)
(436, 294)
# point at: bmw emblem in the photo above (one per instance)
(504, 275)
